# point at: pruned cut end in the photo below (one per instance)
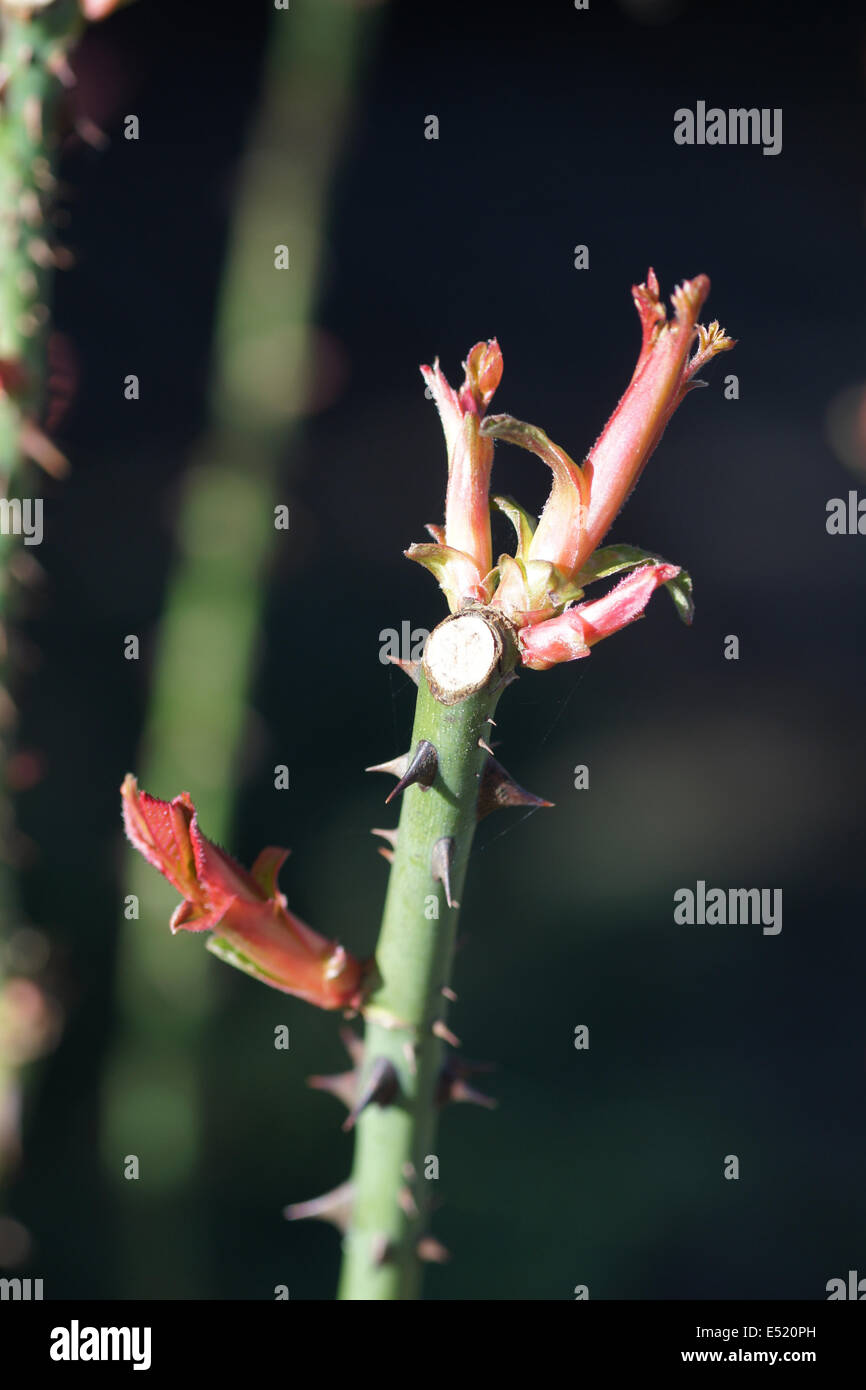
(462, 654)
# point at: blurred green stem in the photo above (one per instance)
(198, 712)
(33, 47)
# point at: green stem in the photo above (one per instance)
(33, 48)
(414, 955)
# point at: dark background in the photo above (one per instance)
(602, 1167)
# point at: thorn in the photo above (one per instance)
(441, 864)
(432, 1251)
(381, 1086)
(507, 680)
(460, 1091)
(407, 1203)
(449, 993)
(452, 1083)
(42, 175)
(389, 835)
(343, 1084)
(490, 720)
(441, 1030)
(396, 767)
(91, 134)
(485, 746)
(375, 1013)
(335, 1207)
(58, 65)
(408, 1171)
(421, 769)
(353, 1044)
(380, 1249)
(30, 208)
(499, 790)
(25, 570)
(38, 447)
(410, 668)
(31, 116)
(44, 255)
(411, 1060)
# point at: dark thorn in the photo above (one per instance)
(441, 864)
(499, 790)
(381, 1086)
(453, 1085)
(421, 769)
(335, 1207)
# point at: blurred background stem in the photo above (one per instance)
(198, 711)
(34, 43)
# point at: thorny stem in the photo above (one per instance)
(414, 955)
(34, 42)
(33, 47)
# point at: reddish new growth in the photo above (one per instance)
(257, 932)
(538, 587)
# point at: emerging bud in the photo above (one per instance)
(660, 381)
(558, 555)
(461, 558)
(257, 933)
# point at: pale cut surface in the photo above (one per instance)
(460, 654)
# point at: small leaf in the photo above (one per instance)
(524, 524)
(457, 573)
(612, 559)
(681, 590)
